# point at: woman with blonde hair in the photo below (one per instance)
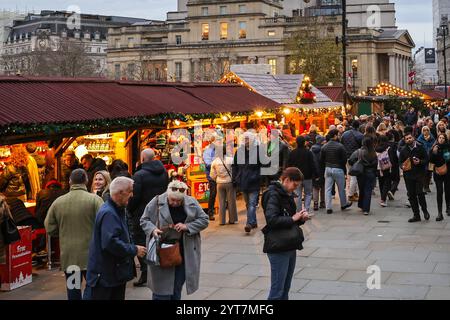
(442, 128)
(100, 184)
(382, 129)
(14, 182)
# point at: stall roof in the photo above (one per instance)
(433, 94)
(334, 93)
(281, 88)
(37, 101)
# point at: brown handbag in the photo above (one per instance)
(442, 170)
(169, 254)
(407, 165)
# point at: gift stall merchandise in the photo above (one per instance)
(181, 150)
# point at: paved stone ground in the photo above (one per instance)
(414, 259)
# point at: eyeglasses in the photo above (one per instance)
(175, 189)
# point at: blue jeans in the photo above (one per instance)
(334, 175)
(282, 267)
(180, 278)
(75, 294)
(366, 183)
(251, 201)
(306, 185)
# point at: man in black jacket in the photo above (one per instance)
(352, 140)
(334, 158)
(149, 181)
(303, 159)
(413, 158)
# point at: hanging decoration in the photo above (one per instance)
(387, 89)
(305, 94)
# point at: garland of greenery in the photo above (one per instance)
(49, 129)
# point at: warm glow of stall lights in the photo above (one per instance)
(121, 140)
(177, 122)
(330, 84)
(287, 111)
(225, 118)
(306, 79)
(259, 114)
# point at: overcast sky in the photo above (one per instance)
(414, 15)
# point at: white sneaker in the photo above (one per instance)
(391, 195)
(383, 204)
(366, 213)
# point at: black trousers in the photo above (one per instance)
(103, 293)
(416, 195)
(212, 196)
(442, 187)
(385, 183)
(395, 179)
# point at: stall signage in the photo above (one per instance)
(201, 191)
(18, 270)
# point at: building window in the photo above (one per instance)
(242, 30)
(178, 39)
(99, 50)
(130, 70)
(223, 31)
(242, 8)
(117, 43)
(87, 35)
(117, 71)
(178, 71)
(98, 64)
(271, 33)
(273, 66)
(204, 11)
(97, 36)
(205, 31)
(130, 42)
(223, 10)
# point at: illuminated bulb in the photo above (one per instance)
(177, 122)
(287, 111)
(121, 140)
(259, 113)
(225, 118)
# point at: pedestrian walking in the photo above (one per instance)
(174, 209)
(149, 181)
(386, 158)
(440, 159)
(319, 180)
(427, 140)
(71, 217)
(111, 251)
(352, 141)
(367, 156)
(334, 158)
(413, 158)
(303, 159)
(246, 170)
(221, 174)
(282, 234)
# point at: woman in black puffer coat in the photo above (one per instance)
(440, 155)
(280, 213)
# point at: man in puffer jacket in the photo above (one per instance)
(319, 180)
(351, 140)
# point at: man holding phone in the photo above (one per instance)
(413, 159)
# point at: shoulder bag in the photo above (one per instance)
(281, 240)
(169, 254)
(357, 168)
(229, 173)
(442, 170)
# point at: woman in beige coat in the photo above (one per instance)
(185, 214)
(4, 213)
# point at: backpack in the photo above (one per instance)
(384, 162)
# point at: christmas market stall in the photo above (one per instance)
(302, 104)
(386, 97)
(56, 121)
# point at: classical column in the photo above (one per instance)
(400, 70)
(392, 65)
(196, 76)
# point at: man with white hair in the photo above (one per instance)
(247, 175)
(150, 180)
(111, 252)
(174, 209)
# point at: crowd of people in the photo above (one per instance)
(104, 217)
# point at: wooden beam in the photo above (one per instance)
(130, 137)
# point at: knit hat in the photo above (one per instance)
(320, 139)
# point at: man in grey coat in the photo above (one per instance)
(186, 215)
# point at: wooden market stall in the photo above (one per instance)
(303, 104)
(114, 119)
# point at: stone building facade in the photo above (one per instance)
(201, 43)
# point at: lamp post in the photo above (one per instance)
(344, 50)
(443, 31)
(354, 73)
